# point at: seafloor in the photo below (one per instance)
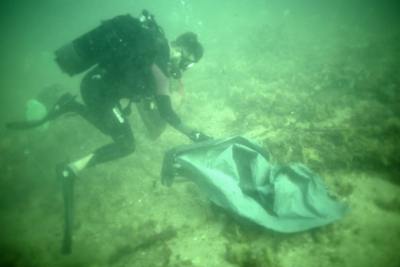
(329, 100)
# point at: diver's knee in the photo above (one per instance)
(128, 148)
(131, 147)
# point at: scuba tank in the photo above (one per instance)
(114, 37)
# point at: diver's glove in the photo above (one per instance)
(197, 136)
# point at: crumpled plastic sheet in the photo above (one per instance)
(236, 175)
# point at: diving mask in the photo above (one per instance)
(184, 65)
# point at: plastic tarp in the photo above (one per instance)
(236, 175)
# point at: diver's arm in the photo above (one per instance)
(167, 113)
(163, 102)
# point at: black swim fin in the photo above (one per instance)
(67, 178)
(63, 105)
(24, 125)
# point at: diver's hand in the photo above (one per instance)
(197, 136)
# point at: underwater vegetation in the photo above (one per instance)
(329, 109)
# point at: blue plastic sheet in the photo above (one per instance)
(236, 175)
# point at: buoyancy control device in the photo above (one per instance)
(117, 37)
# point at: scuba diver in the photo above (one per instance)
(133, 60)
(138, 67)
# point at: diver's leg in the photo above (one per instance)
(99, 98)
(96, 96)
(102, 109)
(123, 142)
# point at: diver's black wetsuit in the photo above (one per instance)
(103, 110)
(133, 78)
(136, 69)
